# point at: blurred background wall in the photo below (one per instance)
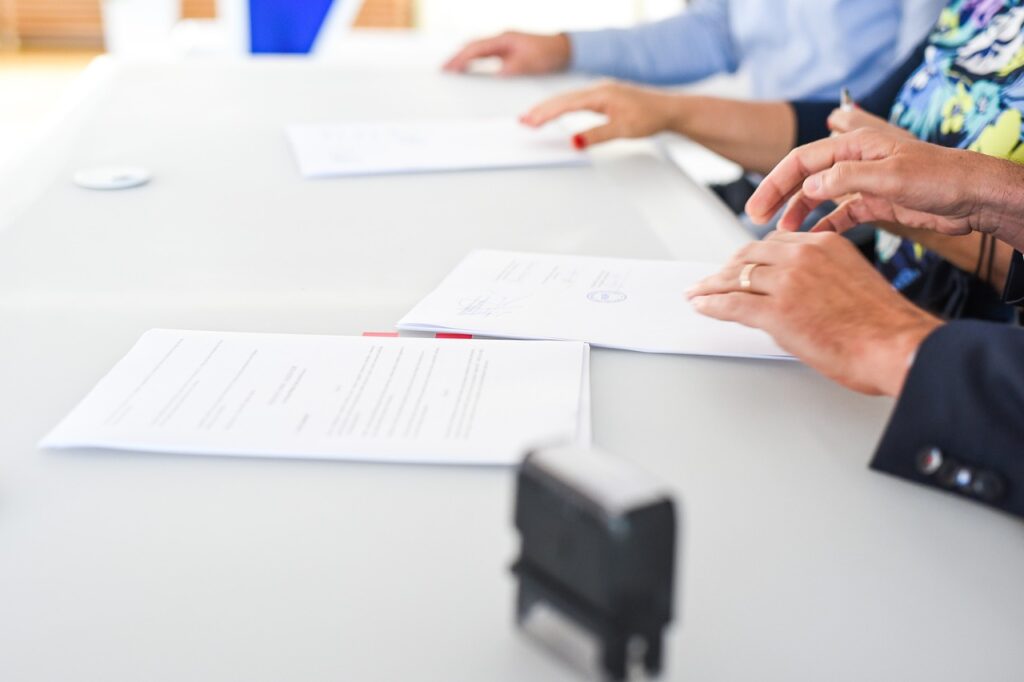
(78, 23)
(45, 44)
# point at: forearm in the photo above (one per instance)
(964, 252)
(756, 135)
(1001, 187)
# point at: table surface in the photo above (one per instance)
(798, 563)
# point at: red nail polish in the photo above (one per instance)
(578, 142)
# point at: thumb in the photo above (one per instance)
(842, 121)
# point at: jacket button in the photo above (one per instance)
(988, 486)
(929, 461)
(963, 477)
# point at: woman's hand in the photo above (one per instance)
(890, 177)
(824, 303)
(632, 111)
(847, 120)
(520, 53)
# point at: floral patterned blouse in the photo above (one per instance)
(967, 93)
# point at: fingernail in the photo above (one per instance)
(578, 142)
(812, 184)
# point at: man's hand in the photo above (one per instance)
(889, 177)
(632, 111)
(823, 302)
(520, 53)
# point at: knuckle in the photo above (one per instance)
(787, 281)
(774, 309)
(900, 167)
(707, 305)
(840, 172)
(793, 156)
(787, 306)
(837, 178)
(897, 170)
(733, 303)
(805, 254)
(827, 239)
(795, 160)
(856, 211)
(743, 253)
(864, 134)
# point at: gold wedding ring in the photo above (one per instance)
(745, 274)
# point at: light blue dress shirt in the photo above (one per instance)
(793, 49)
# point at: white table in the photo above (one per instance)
(798, 562)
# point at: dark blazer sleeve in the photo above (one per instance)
(812, 116)
(959, 422)
(1013, 293)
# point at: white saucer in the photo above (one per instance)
(112, 177)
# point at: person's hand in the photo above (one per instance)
(520, 53)
(632, 111)
(888, 178)
(818, 297)
(846, 120)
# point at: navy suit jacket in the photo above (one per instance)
(959, 422)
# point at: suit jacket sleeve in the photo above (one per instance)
(959, 422)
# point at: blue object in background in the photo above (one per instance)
(285, 26)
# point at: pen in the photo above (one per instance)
(846, 102)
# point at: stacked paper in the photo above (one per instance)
(612, 302)
(331, 397)
(420, 146)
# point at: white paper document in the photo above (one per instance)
(419, 146)
(612, 302)
(335, 397)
